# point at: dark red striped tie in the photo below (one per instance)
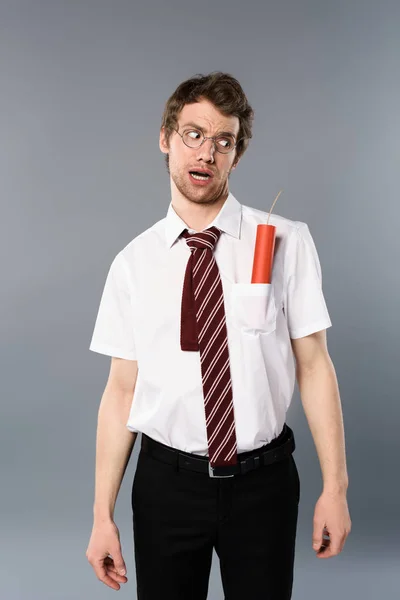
(203, 327)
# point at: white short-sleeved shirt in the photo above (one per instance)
(139, 319)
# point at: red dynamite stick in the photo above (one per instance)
(263, 254)
(264, 250)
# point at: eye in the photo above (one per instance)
(225, 141)
(192, 133)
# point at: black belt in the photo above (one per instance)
(277, 449)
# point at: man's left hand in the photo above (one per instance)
(331, 518)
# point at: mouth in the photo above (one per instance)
(200, 177)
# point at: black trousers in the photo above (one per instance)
(180, 516)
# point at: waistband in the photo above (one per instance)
(277, 449)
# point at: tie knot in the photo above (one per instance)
(202, 239)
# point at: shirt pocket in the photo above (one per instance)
(253, 307)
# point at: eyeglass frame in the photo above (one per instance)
(213, 138)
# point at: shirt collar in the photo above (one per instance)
(228, 220)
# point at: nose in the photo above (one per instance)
(206, 151)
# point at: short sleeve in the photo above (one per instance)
(303, 298)
(114, 331)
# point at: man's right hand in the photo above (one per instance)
(105, 556)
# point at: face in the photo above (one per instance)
(183, 159)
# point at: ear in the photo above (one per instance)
(235, 163)
(163, 144)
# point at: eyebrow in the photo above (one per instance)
(192, 124)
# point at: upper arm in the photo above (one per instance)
(114, 328)
(310, 350)
(123, 374)
(303, 298)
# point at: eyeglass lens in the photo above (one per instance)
(194, 138)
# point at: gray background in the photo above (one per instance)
(83, 88)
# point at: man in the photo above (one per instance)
(203, 364)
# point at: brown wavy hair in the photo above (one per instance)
(222, 90)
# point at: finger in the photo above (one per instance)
(335, 542)
(119, 563)
(102, 575)
(317, 541)
(116, 576)
(336, 545)
(329, 549)
(343, 541)
(324, 550)
(323, 545)
(109, 564)
(112, 571)
(320, 536)
(324, 553)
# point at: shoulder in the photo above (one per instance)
(284, 226)
(143, 242)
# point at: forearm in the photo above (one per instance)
(320, 397)
(114, 443)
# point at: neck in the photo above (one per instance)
(197, 215)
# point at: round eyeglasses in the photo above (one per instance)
(194, 138)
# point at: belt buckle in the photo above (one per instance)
(212, 474)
